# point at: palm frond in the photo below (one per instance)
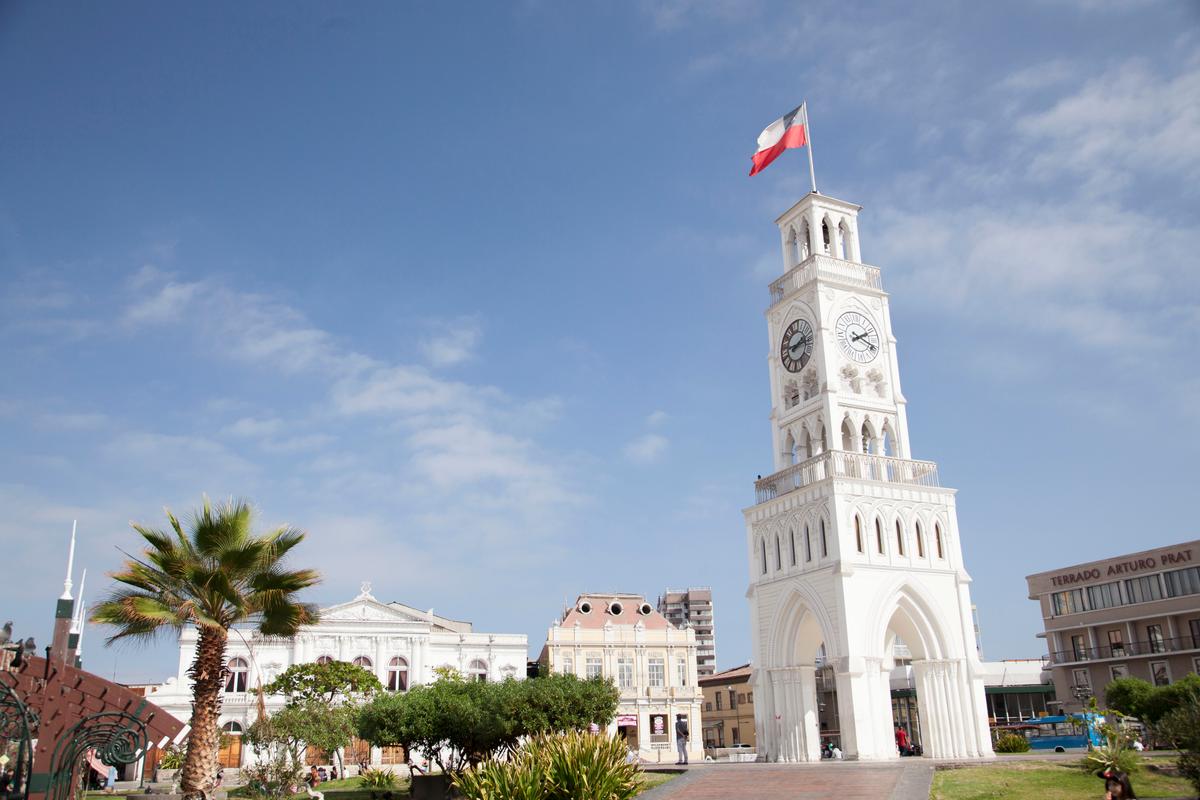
(281, 540)
(225, 527)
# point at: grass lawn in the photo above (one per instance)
(652, 779)
(343, 789)
(1044, 781)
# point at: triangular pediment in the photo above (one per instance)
(366, 609)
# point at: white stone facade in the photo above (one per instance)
(851, 544)
(400, 644)
(653, 664)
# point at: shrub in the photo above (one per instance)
(565, 766)
(172, 758)
(377, 779)
(1182, 728)
(1012, 743)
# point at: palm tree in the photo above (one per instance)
(216, 575)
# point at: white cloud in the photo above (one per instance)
(657, 418)
(454, 343)
(446, 440)
(252, 428)
(1120, 124)
(168, 304)
(647, 448)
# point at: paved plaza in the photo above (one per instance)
(844, 781)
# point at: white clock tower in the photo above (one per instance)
(853, 546)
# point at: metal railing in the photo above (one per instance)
(821, 266)
(843, 464)
(1151, 647)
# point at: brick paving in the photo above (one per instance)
(844, 781)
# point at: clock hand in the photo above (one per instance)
(862, 335)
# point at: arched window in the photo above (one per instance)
(397, 675)
(879, 534)
(805, 241)
(937, 537)
(824, 542)
(866, 438)
(793, 248)
(846, 251)
(364, 662)
(324, 659)
(887, 442)
(229, 754)
(807, 545)
(237, 673)
(920, 541)
(847, 436)
(477, 670)
(778, 554)
(825, 234)
(899, 538)
(792, 544)
(762, 544)
(858, 542)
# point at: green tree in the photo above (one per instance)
(325, 683)
(1181, 727)
(459, 723)
(1137, 698)
(1128, 695)
(215, 575)
(326, 727)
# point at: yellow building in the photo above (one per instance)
(728, 708)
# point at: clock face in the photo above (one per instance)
(858, 337)
(796, 348)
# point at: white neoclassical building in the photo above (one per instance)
(653, 664)
(853, 546)
(402, 645)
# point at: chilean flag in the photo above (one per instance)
(791, 130)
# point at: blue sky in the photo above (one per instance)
(473, 293)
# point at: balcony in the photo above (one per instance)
(849, 273)
(1125, 650)
(842, 464)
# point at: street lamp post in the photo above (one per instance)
(733, 703)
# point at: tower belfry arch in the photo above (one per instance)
(877, 576)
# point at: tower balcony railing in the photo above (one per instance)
(843, 464)
(827, 267)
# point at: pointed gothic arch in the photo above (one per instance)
(887, 440)
(899, 536)
(858, 533)
(879, 534)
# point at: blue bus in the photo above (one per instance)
(1060, 732)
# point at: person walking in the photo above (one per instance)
(902, 740)
(681, 739)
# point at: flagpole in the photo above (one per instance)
(812, 173)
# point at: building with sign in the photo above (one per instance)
(693, 608)
(852, 545)
(1133, 615)
(653, 663)
(728, 708)
(402, 645)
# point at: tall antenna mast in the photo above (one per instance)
(66, 595)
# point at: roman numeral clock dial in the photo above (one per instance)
(796, 348)
(858, 337)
